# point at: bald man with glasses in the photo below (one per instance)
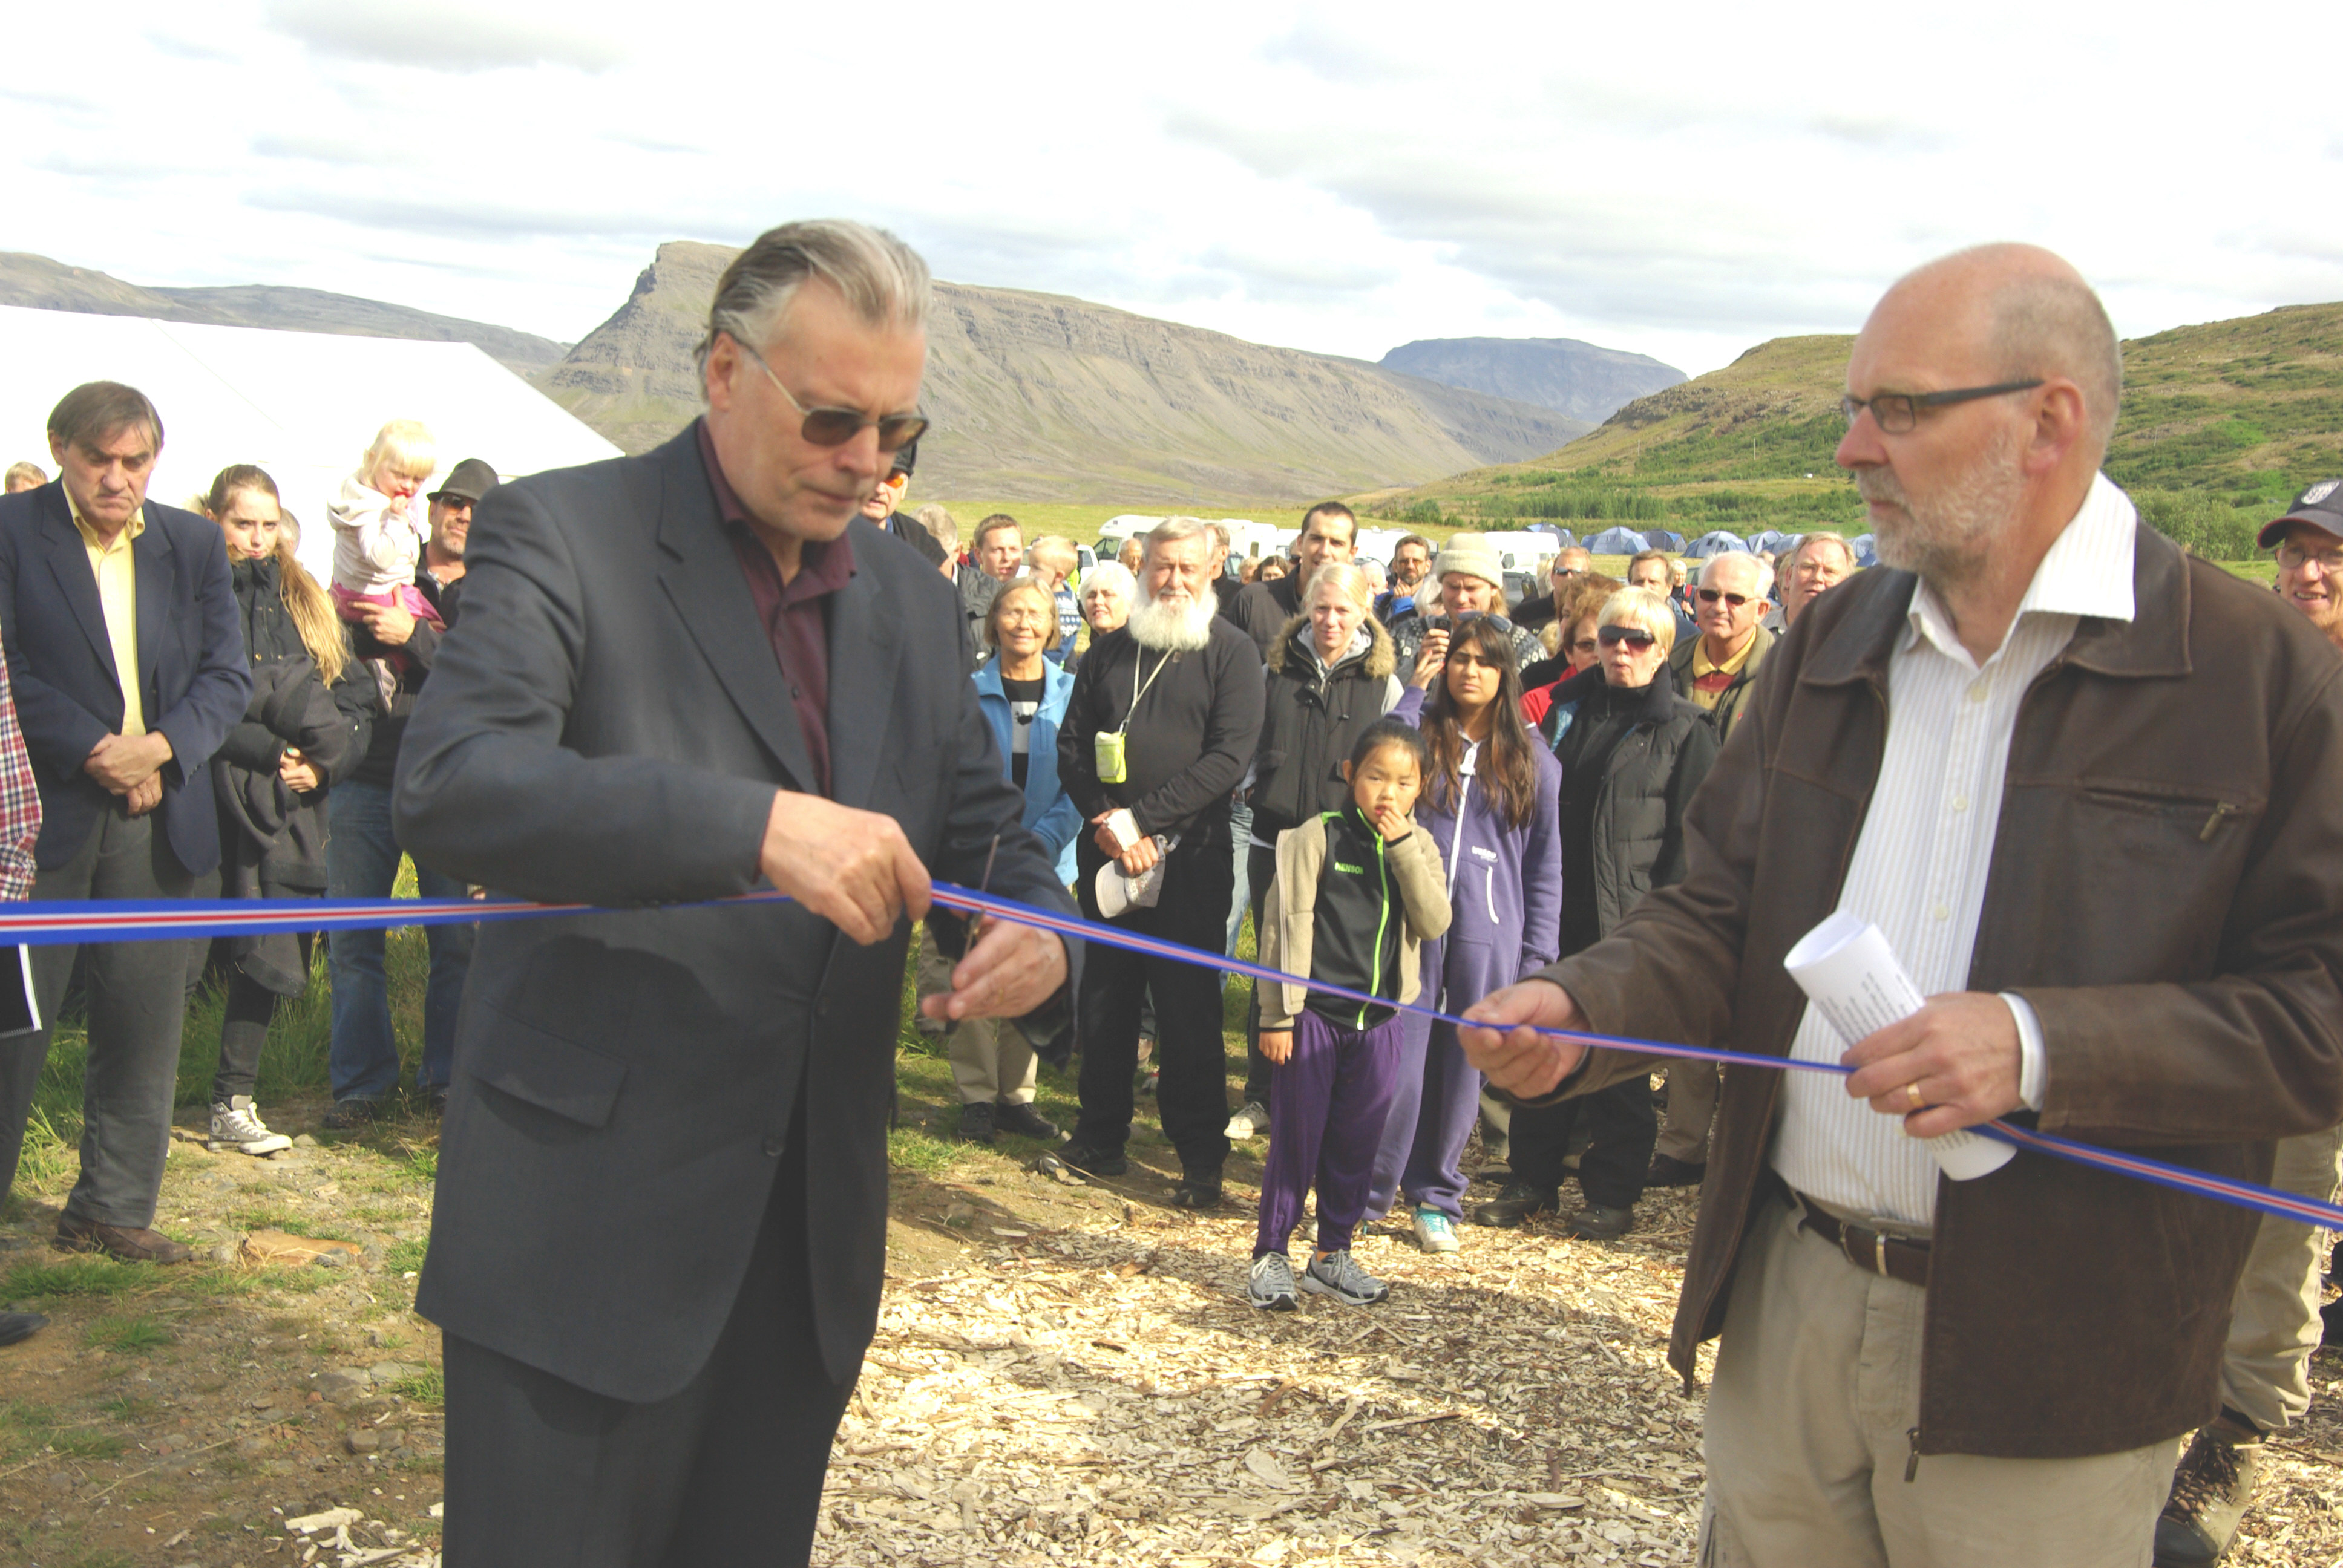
(1716, 670)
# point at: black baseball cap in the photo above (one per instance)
(2319, 507)
(466, 481)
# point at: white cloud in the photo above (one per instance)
(1680, 182)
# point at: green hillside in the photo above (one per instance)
(2222, 423)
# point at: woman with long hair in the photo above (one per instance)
(1632, 753)
(1489, 804)
(304, 727)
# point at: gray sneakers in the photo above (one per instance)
(1338, 1274)
(1270, 1286)
(238, 1125)
(2212, 1491)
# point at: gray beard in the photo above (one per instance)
(1170, 628)
(1947, 537)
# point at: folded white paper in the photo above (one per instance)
(1847, 970)
(1119, 893)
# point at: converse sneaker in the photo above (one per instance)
(1270, 1286)
(236, 1125)
(1338, 1274)
(1435, 1231)
(2210, 1494)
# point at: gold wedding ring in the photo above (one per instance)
(1912, 1092)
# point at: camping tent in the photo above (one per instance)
(1562, 537)
(302, 405)
(1773, 539)
(1865, 549)
(1664, 540)
(1616, 542)
(1714, 544)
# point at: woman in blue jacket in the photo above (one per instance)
(1490, 805)
(1023, 695)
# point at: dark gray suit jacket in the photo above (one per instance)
(607, 723)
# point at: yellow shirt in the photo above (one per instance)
(1702, 666)
(117, 594)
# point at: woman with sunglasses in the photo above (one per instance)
(1490, 805)
(1632, 753)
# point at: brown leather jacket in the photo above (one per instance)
(2165, 890)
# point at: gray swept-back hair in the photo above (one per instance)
(884, 281)
(1172, 531)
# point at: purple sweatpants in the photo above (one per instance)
(1327, 1105)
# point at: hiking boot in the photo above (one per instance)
(976, 1122)
(16, 1326)
(1249, 1123)
(1020, 1117)
(348, 1114)
(75, 1235)
(1667, 1170)
(1197, 1190)
(1338, 1274)
(1435, 1231)
(1515, 1203)
(1271, 1285)
(1601, 1223)
(2212, 1491)
(1093, 1162)
(236, 1124)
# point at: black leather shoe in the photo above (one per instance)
(1197, 1192)
(976, 1122)
(1021, 1119)
(348, 1114)
(1093, 1162)
(1667, 1170)
(1600, 1223)
(1515, 1203)
(132, 1246)
(15, 1326)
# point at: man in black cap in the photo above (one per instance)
(362, 853)
(2275, 1324)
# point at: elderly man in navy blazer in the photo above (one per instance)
(661, 1228)
(127, 665)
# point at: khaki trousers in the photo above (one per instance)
(1817, 1388)
(991, 1061)
(1691, 1106)
(2274, 1323)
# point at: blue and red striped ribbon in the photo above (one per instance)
(41, 924)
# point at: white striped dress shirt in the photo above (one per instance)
(1921, 858)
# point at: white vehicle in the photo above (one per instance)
(1377, 543)
(1118, 528)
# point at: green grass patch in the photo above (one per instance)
(405, 1256)
(427, 1387)
(131, 1334)
(291, 1224)
(85, 1276)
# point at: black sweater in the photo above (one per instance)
(1187, 745)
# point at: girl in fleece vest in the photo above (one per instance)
(1356, 890)
(1490, 803)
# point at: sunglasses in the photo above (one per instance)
(1450, 623)
(1634, 637)
(837, 427)
(1710, 596)
(1588, 644)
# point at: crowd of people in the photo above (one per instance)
(2086, 787)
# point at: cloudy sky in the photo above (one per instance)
(1681, 180)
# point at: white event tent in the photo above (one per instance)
(302, 405)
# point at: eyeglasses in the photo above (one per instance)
(837, 427)
(2294, 557)
(1634, 637)
(1899, 412)
(1710, 596)
(1588, 644)
(1451, 622)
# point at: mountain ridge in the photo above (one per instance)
(1582, 380)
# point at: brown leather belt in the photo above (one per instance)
(1896, 1257)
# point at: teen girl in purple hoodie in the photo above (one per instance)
(1490, 804)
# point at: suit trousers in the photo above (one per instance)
(542, 1473)
(137, 1004)
(1620, 1124)
(2274, 1325)
(1192, 1096)
(1816, 1391)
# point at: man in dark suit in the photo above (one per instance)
(661, 1227)
(127, 665)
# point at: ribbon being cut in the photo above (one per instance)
(41, 924)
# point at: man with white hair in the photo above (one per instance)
(1820, 560)
(2090, 791)
(1715, 668)
(1160, 728)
